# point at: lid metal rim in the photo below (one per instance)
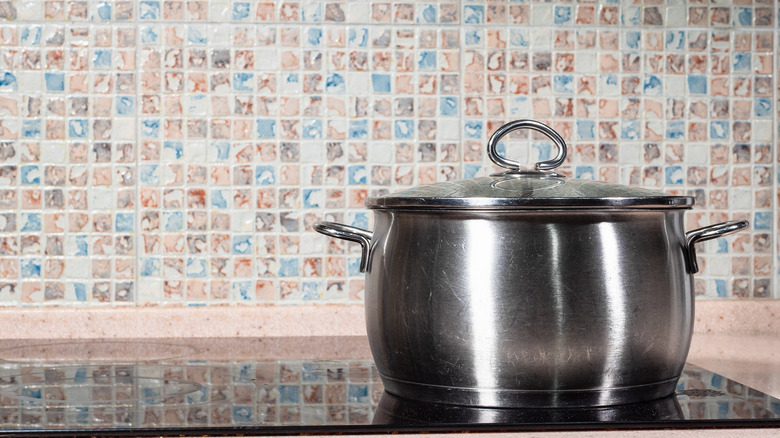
(662, 202)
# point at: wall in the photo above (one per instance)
(179, 152)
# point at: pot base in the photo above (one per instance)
(515, 398)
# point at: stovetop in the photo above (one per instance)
(292, 385)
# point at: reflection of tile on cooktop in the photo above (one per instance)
(104, 393)
(96, 351)
(53, 389)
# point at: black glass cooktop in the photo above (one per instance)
(288, 386)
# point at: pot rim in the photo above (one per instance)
(484, 203)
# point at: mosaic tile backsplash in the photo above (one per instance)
(179, 151)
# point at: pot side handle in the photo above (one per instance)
(341, 231)
(708, 233)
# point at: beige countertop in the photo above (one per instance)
(267, 321)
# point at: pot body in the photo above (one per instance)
(529, 308)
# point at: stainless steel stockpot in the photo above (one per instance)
(529, 289)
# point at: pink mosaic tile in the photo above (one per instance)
(155, 152)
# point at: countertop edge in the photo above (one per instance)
(712, 317)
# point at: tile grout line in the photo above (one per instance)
(137, 149)
(775, 275)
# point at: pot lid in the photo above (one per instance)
(517, 187)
